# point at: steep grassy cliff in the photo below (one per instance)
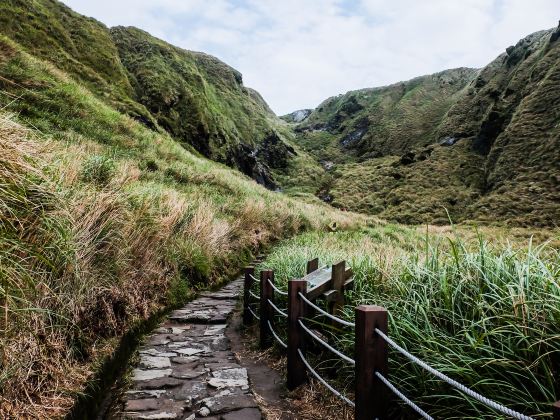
(199, 100)
(473, 145)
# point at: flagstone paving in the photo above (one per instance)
(187, 369)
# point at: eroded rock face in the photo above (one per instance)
(257, 162)
(275, 152)
(187, 369)
(297, 116)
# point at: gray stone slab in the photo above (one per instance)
(146, 375)
(243, 414)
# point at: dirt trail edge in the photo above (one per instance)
(187, 369)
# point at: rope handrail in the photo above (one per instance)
(325, 313)
(276, 336)
(276, 289)
(325, 383)
(254, 295)
(254, 314)
(327, 345)
(253, 277)
(277, 309)
(488, 402)
(403, 397)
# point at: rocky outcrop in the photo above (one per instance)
(297, 116)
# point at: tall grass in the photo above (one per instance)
(103, 222)
(486, 314)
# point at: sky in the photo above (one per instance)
(297, 53)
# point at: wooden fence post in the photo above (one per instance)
(247, 285)
(312, 265)
(338, 279)
(371, 356)
(556, 410)
(266, 314)
(296, 310)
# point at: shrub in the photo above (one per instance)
(98, 170)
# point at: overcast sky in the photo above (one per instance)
(297, 53)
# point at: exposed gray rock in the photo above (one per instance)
(155, 362)
(297, 116)
(243, 414)
(229, 378)
(157, 353)
(146, 375)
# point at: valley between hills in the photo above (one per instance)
(134, 173)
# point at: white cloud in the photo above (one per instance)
(299, 52)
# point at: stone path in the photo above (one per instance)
(187, 369)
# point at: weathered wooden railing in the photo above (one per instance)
(371, 340)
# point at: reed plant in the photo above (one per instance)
(484, 312)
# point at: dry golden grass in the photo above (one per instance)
(91, 256)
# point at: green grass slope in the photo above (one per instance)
(80, 46)
(509, 115)
(474, 145)
(199, 100)
(388, 120)
(104, 222)
(202, 102)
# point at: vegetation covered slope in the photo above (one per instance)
(388, 120)
(80, 46)
(480, 306)
(103, 222)
(201, 101)
(509, 116)
(474, 145)
(197, 99)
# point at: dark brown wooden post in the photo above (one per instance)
(312, 265)
(556, 410)
(247, 285)
(338, 280)
(371, 356)
(296, 310)
(266, 314)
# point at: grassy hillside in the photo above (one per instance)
(476, 145)
(202, 102)
(384, 121)
(197, 99)
(480, 306)
(509, 115)
(105, 222)
(80, 46)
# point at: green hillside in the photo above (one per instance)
(473, 145)
(196, 98)
(390, 120)
(104, 222)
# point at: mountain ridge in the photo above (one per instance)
(197, 98)
(484, 148)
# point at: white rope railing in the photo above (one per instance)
(253, 277)
(276, 289)
(325, 344)
(254, 295)
(277, 309)
(254, 314)
(492, 404)
(325, 383)
(276, 336)
(403, 397)
(325, 313)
